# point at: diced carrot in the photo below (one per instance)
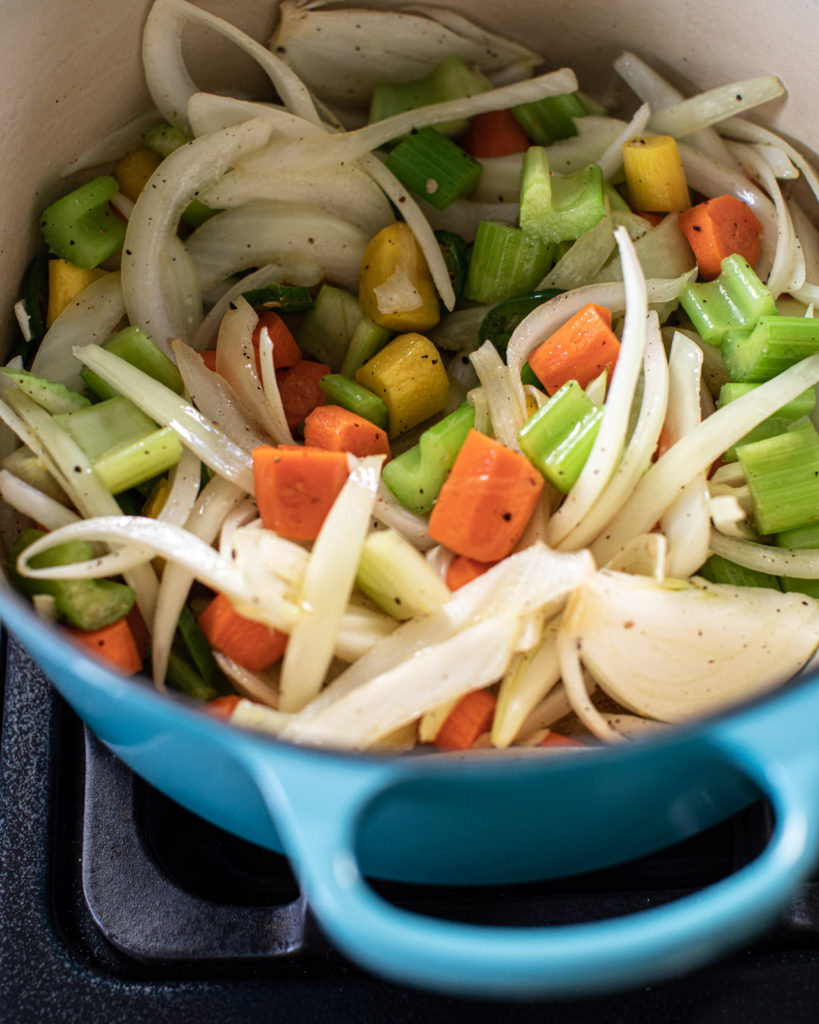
(299, 389)
(296, 487)
(336, 429)
(495, 133)
(115, 644)
(470, 717)
(463, 570)
(718, 228)
(556, 739)
(209, 359)
(653, 218)
(222, 707)
(285, 350)
(486, 501)
(251, 644)
(579, 350)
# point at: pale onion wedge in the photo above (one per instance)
(801, 563)
(709, 108)
(30, 502)
(527, 682)
(505, 410)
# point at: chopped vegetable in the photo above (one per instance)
(719, 228)
(495, 133)
(505, 262)
(470, 717)
(434, 167)
(336, 429)
(115, 644)
(580, 350)
(65, 282)
(463, 570)
(397, 577)
(654, 174)
(251, 644)
(395, 288)
(351, 395)
(554, 208)
(300, 390)
(296, 487)
(81, 226)
(736, 299)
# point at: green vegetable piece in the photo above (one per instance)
(133, 463)
(456, 258)
(134, 346)
(165, 138)
(800, 538)
(416, 476)
(196, 213)
(326, 331)
(558, 209)
(775, 343)
(281, 298)
(368, 338)
(616, 201)
(86, 604)
(550, 119)
(505, 262)
(397, 577)
(81, 227)
(198, 647)
(500, 322)
(734, 300)
(776, 424)
(181, 676)
(720, 570)
(349, 394)
(49, 395)
(434, 167)
(101, 427)
(783, 476)
(557, 439)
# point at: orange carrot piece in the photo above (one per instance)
(495, 133)
(579, 350)
(299, 390)
(222, 707)
(336, 429)
(209, 359)
(557, 739)
(251, 644)
(470, 717)
(285, 350)
(296, 487)
(486, 501)
(115, 644)
(463, 570)
(718, 228)
(653, 218)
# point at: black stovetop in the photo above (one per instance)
(118, 907)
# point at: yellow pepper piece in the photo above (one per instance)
(157, 498)
(655, 175)
(409, 375)
(531, 406)
(65, 282)
(134, 169)
(395, 288)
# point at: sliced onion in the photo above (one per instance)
(40, 507)
(505, 410)
(612, 159)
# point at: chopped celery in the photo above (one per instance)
(776, 424)
(281, 298)
(558, 209)
(505, 262)
(550, 119)
(800, 537)
(456, 258)
(84, 603)
(416, 476)
(368, 338)
(500, 322)
(557, 439)
(351, 395)
(771, 346)
(102, 426)
(165, 138)
(783, 476)
(81, 227)
(51, 396)
(134, 346)
(397, 577)
(434, 167)
(134, 462)
(720, 570)
(734, 300)
(326, 331)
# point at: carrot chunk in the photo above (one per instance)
(300, 391)
(296, 487)
(486, 501)
(286, 351)
(718, 228)
(336, 429)
(114, 643)
(250, 644)
(470, 717)
(222, 707)
(579, 350)
(495, 133)
(463, 570)
(557, 739)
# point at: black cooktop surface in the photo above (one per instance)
(117, 906)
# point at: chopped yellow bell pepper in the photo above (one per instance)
(395, 288)
(654, 175)
(65, 282)
(134, 169)
(409, 375)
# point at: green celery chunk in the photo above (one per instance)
(353, 396)
(416, 476)
(505, 262)
(397, 577)
(368, 338)
(720, 570)
(434, 167)
(81, 227)
(771, 346)
(783, 476)
(135, 462)
(550, 119)
(501, 321)
(105, 425)
(281, 298)
(453, 249)
(86, 604)
(557, 439)
(800, 406)
(558, 209)
(800, 538)
(49, 395)
(165, 138)
(734, 300)
(134, 346)
(327, 329)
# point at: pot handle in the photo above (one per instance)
(316, 804)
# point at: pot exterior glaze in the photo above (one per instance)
(512, 818)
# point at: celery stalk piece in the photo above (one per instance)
(434, 167)
(166, 139)
(368, 338)
(81, 227)
(734, 300)
(800, 538)
(416, 476)
(558, 209)
(801, 406)
(505, 262)
(105, 425)
(281, 298)
(783, 476)
(398, 578)
(351, 395)
(51, 396)
(326, 331)
(134, 346)
(721, 570)
(774, 343)
(550, 119)
(133, 463)
(85, 603)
